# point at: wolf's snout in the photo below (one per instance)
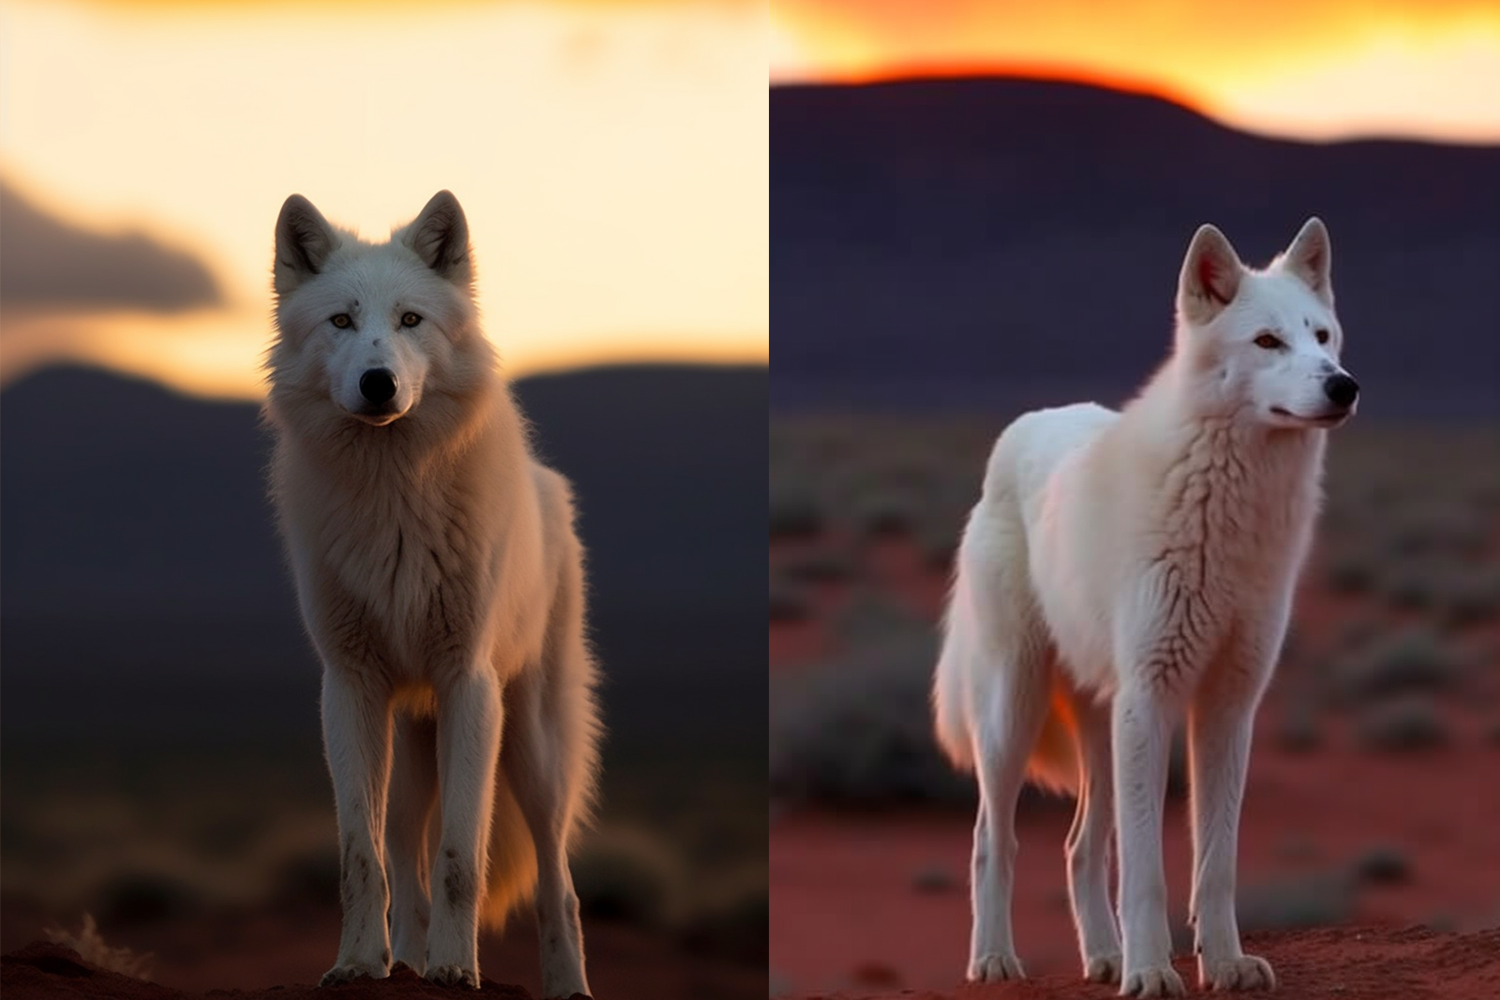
(378, 385)
(1341, 390)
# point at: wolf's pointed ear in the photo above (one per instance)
(440, 236)
(1310, 257)
(1210, 276)
(304, 239)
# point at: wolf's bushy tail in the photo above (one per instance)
(950, 709)
(511, 878)
(1053, 763)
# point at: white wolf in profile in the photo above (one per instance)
(441, 581)
(1122, 569)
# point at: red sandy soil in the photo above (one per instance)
(42, 970)
(878, 901)
(261, 953)
(1362, 963)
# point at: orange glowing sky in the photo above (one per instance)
(1313, 69)
(612, 159)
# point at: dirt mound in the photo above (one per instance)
(1367, 963)
(42, 971)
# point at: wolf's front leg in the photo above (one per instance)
(1142, 721)
(470, 717)
(357, 738)
(540, 765)
(1219, 731)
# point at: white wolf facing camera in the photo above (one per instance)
(441, 581)
(1124, 569)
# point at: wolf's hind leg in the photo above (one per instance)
(413, 794)
(1009, 722)
(548, 763)
(1088, 846)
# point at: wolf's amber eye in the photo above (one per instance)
(1322, 336)
(342, 321)
(1269, 341)
(410, 319)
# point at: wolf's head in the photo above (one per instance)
(368, 331)
(1265, 343)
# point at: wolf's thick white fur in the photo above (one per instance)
(1124, 569)
(440, 578)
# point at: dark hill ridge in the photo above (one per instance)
(141, 560)
(940, 240)
(122, 499)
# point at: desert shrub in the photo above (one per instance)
(886, 512)
(1472, 598)
(1315, 900)
(1416, 659)
(143, 896)
(1446, 529)
(789, 602)
(1305, 901)
(938, 539)
(859, 730)
(627, 876)
(822, 566)
(1298, 730)
(1352, 574)
(1414, 587)
(935, 879)
(733, 927)
(91, 948)
(870, 617)
(1355, 635)
(1383, 865)
(309, 877)
(795, 512)
(1402, 726)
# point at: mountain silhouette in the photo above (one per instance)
(1006, 242)
(142, 568)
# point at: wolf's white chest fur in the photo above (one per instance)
(1179, 564)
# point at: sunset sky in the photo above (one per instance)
(1314, 69)
(611, 157)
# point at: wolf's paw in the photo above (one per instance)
(1103, 968)
(1247, 972)
(1152, 981)
(564, 987)
(995, 969)
(345, 972)
(453, 975)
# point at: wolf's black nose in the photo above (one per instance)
(1340, 388)
(378, 385)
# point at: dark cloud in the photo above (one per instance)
(46, 264)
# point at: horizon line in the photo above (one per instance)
(920, 71)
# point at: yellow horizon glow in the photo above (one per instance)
(611, 159)
(202, 352)
(1319, 72)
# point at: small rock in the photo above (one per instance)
(1383, 865)
(877, 975)
(1403, 726)
(1298, 732)
(934, 879)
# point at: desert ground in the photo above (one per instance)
(217, 874)
(1368, 864)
